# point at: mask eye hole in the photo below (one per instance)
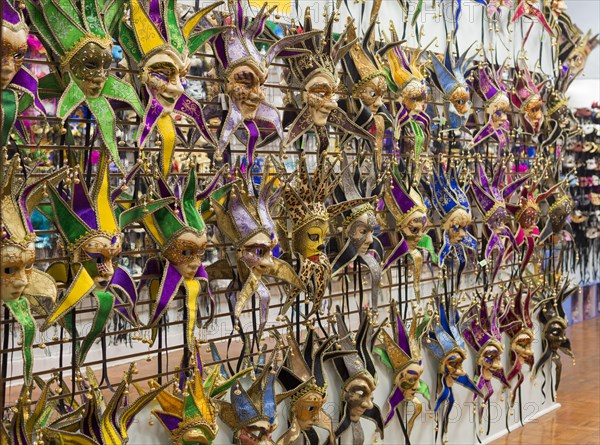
(9, 270)
(313, 237)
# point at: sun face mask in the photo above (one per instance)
(410, 214)
(517, 323)
(19, 85)
(304, 369)
(243, 216)
(444, 341)
(178, 229)
(359, 223)
(305, 199)
(481, 331)
(554, 322)
(401, 352)
(92, 239)
(491, 200)
(359, 377)
(450, 201)
(22, 286)
(449, 79)
(162, 48)
(488, 84)
(314, 73)
(245, 69)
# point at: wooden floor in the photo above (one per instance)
(577, 421)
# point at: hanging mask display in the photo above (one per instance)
(190, 417)
(444, 341)
(366, 81)
(554, 324)
(488, 84)
(449, 79)
(304, 369)
(305, 203)
(359, 223)
(177, 227)
(162, 48)
(409, 211)
(245, 70)
(525, 97)
(92, 238)
(450, 201)
(491, 199)
(19, 85)
(22, 286)
(244, 218)
(481, 331)
(314, 72)
(516, 322)
(359, 377)
(401, 352)
(98, 421)
(80, 39)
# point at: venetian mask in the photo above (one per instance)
(186, 252)
(460, 100)
(257, 254)
(244, 84)
(413, 96)
(533, 112)
(97, 256)
(371, 93)
(529, 218)
(307, 410)
(90, 68)
(521, 345)
(489, 359)
(257, 433)
(452, 366)
(309, 240)
(456, 225)
(14, 47)
(320, 95)
(408, 380)
(555, 334)
(164, 75)
(358, 394)
(497, 109)
(413, 228)
(559, 213)
(15, 270)
(360, 231)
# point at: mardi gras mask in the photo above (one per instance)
(14, 43)
(444, 341)
(92, 237)
(402, 354)
(21, 285)
(80, 37)
(578, 56)
(245, 70)
(304, 374)
(482, 332)
(449, 78)
(314, 73)
(554, 322)
(357, 370)
(190, 417)
(164, 76)
(104, 421)
(557, 217)
(305, 199)
(528, 8)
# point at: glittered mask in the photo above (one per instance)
(186, 253)
(456, 225)
(90, 68)
(372, 93)
(257, 254)
(409, 380)
(413, 96)
(489, 359)
(451, 366)
(164, 75)
(497, 110)
(14, 46)
(97, 256)
(414, 227)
